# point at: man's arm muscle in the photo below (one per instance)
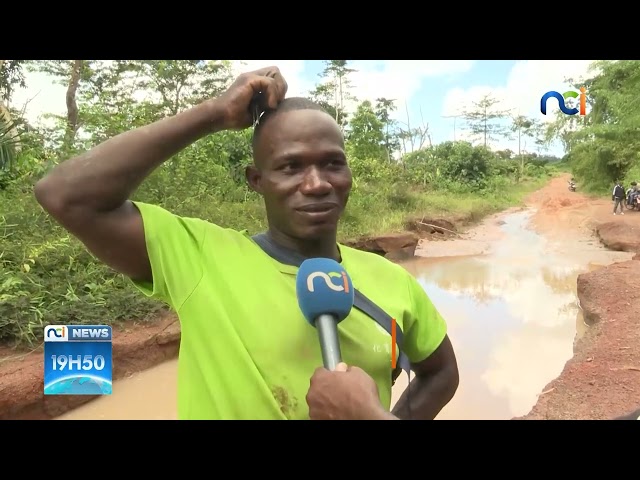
(88, 195)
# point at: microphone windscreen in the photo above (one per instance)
(323, 287)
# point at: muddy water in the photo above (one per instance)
(148, 395)
(513, 317)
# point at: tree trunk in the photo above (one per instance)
(72, 106)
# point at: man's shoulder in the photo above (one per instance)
(156, 216)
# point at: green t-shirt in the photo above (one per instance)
(246, 351)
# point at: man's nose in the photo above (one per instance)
(314, 183)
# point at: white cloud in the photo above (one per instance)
(399, 79)
(525, 84)
(521, 93)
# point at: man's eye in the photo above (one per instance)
(291, 166)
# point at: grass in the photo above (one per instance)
(370, 214)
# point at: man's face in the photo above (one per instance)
(302, 173)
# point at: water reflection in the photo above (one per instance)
(512, 317)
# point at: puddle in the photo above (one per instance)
(513, 316)
(148, 395)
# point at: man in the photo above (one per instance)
(632, 193)
(246, 351)
(618, 198)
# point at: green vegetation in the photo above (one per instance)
(604, 145)
(47, 277)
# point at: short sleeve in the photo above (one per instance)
(174, 246)
(425, 328)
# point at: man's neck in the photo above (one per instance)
(325, 246)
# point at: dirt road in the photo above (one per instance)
(603, 378)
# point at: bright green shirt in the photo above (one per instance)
(246, 351)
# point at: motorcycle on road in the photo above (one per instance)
(633, 202)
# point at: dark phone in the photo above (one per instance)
(257, 107)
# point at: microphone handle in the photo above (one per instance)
(327, 327)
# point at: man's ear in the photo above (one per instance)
(253, 176)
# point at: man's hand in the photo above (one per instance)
(234, 102)
(347, 393)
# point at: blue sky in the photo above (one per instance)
(430, 89)
(433, 89)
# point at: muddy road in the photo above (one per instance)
(509, 290)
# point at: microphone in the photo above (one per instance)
(325, 296)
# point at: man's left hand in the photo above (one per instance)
(347, 393)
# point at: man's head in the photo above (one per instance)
(300, 169)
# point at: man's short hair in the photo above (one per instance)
(287, 105)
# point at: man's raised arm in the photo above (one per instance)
(88, 195)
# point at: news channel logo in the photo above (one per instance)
(327, 279)
(571, 95)
(77, 360)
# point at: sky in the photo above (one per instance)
(427, 91)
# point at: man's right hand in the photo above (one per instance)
(234, 102)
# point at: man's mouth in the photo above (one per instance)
(323, 207)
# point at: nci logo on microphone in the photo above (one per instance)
(327, 277)
(77, 360)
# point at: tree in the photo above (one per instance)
(526, 127)
(604, 145)
(416, 137)
(11, 77)
(383, 109)
(483, 118)
(366, 133)
(334, 91)
(69, 73)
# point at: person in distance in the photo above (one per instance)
(246, 351)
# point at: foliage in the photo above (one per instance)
(604, 145)
(48, 277)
